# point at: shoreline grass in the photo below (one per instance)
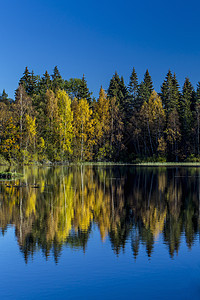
(10, 175)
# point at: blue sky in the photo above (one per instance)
(98, 38)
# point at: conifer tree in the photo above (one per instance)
(144, 90)
(25, 80)
(113, 89)
(46, 80)
(116, 130)
(186, 116)
(57, 81)
(84, 92)
(133, 85)
(118, 90)
(197, 109)
(173, 133)
(4, 97)
(33, 84)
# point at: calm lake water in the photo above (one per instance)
(95, 232)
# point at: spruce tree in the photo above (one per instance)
(144, 90)
(45, 82)
(197, 110)
(148, 82)
(114, 87)
(57, 81)
(125, 102)
(33, 84)
(25, 80)
(170, 93)
(4, 97)
(118, 90)
(186, 116)
(133, 84)
(84, 92)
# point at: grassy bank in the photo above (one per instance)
(10, 175)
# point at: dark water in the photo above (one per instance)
(100, 232)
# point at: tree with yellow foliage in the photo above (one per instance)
(83, 125)
(153, 121)
(10, 141)
(30, 134)
(65, 117)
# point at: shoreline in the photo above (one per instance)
(142, 164)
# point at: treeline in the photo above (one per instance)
(52, 119)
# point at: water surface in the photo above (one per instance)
(93, 232)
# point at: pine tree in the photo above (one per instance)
(118, 90)
(25, 80)
(4, 97)
(197, 109)
(148, 82)
(186, 116)
(46, 81)
(57, 81)
(171, 102)
(144, 90)
(133, 85)
(33, 84)
(116, 130)
(113, 89)
(173, 133)
(29, 82)
(84, 92)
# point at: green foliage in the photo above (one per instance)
(55, 120)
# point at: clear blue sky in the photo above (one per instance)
(98, 38)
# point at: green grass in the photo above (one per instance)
(168, 164)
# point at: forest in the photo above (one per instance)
(56, 120)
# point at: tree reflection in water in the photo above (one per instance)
(52, 208)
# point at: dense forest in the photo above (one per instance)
(57, 120)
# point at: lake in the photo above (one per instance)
(100, 232)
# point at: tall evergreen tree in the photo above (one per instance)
(4, 97)
(133, 84)
(197, 110)
(84, 92)
(113, 89)
(25, 80)
(144, 90)
(29, 82)
(125, 101)
(186, 116)
(45, 82)
(118, 90)
(57, 81)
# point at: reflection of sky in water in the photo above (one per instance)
(136, 237)
(98, 273)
